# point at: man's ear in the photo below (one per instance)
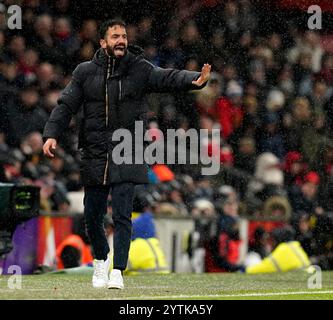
(102, 42)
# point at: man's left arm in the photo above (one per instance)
(165, 80)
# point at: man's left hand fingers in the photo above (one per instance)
(205, 71)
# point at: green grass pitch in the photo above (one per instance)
(292, 285)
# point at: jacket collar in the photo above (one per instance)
(134, 53)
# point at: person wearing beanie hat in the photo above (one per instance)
(304, 198)
(312, 177)
(234, 89)
(294, 167)
(275, 100)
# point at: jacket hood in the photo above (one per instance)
(136, 50)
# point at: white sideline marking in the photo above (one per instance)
(254, 294)
(267, 294)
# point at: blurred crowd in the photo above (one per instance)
(271, 95)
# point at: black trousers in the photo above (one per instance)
(95, 208)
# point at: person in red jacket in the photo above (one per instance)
(229, 109)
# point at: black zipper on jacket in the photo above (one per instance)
(107, 113)
(120, 90)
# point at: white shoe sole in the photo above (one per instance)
(115, 286)
(99, 286)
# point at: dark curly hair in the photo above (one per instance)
(109, 24)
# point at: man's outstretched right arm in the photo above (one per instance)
(68, 104)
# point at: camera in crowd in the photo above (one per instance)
(17, 205)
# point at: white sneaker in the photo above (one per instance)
(101, 270)
(115, 280)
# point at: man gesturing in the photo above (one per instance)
(110, 89)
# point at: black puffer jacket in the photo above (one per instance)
(111, 93)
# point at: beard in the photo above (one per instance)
(111, 50)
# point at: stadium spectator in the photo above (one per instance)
(223, 249)
(73, 252)
(294, 168)
(304, 234)
(304, 198)
(268, 181)
(204, 215)
(271, 140)
(260, 243)
(245, 157)
(229, 109)
(23, 109)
